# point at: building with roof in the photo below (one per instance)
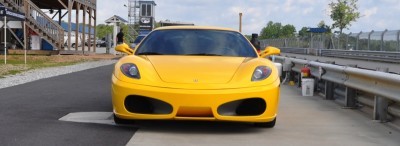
(40, 15)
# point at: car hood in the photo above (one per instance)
(195, 69)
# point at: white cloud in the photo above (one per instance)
(370, 12)
(288, 6)
(309, 2)
(381, 24)
(308, 10)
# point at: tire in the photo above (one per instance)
(73, 45)
(266, 124)
(121, 121)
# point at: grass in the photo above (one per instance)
(16, 64)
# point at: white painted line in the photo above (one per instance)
(90, 117)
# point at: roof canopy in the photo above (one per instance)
(116, 19)
(147, 2)
(56, 4)
(11, 15)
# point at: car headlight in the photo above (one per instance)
(130, 70)
(261, 73)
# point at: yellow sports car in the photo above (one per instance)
(195, 73)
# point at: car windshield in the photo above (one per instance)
(138, 39)
(196, 42)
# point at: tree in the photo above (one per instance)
(157, 25)
(343, 12)
(304, 32)
(288, 31)
(248, 37)
(276, 30)
(270, 31)
(322, 24)
(102, 30)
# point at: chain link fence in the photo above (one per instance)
(386, 41)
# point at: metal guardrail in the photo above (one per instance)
(294, 50)
(363, 55)
(393, 57)
(384, 86)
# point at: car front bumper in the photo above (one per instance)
(188, 104)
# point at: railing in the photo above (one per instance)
(388, 41)
(364, 55)
(294, 50)
(15, 4)
(392, 57)
(50, 28)
(384, 86)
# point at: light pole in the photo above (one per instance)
(240, 22)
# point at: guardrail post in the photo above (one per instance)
(329, 90)
(381, 104)
(350, 94)
(380, 109)
(350, 99)
(299, 80)
(329, 87)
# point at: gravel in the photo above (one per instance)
(38, 74)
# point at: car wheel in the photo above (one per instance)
(121, 121)
(266, 124)
(73, 45)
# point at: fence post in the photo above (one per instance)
(358, 39)
(398, 41)
(369, 40)
(383, 34)
(381, 104)
(312, 41)
(347, 41)
(285, 43)
(298, 43)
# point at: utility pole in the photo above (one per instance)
(240, 22)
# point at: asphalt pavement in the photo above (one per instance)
(75, 109)
(29, 113)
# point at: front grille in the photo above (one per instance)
(146, 105)
(243, 107)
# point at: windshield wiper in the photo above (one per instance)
(149, 53)
(204, 54)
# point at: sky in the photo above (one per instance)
(376, 15)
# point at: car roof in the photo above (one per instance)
(194, 27)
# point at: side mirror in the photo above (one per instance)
(269, 51)
(124, 48)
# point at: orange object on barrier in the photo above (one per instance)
(305, 72)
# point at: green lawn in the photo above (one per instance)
(16, 64)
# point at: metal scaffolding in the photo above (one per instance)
(133, 18)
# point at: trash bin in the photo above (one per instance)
(307, 86)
